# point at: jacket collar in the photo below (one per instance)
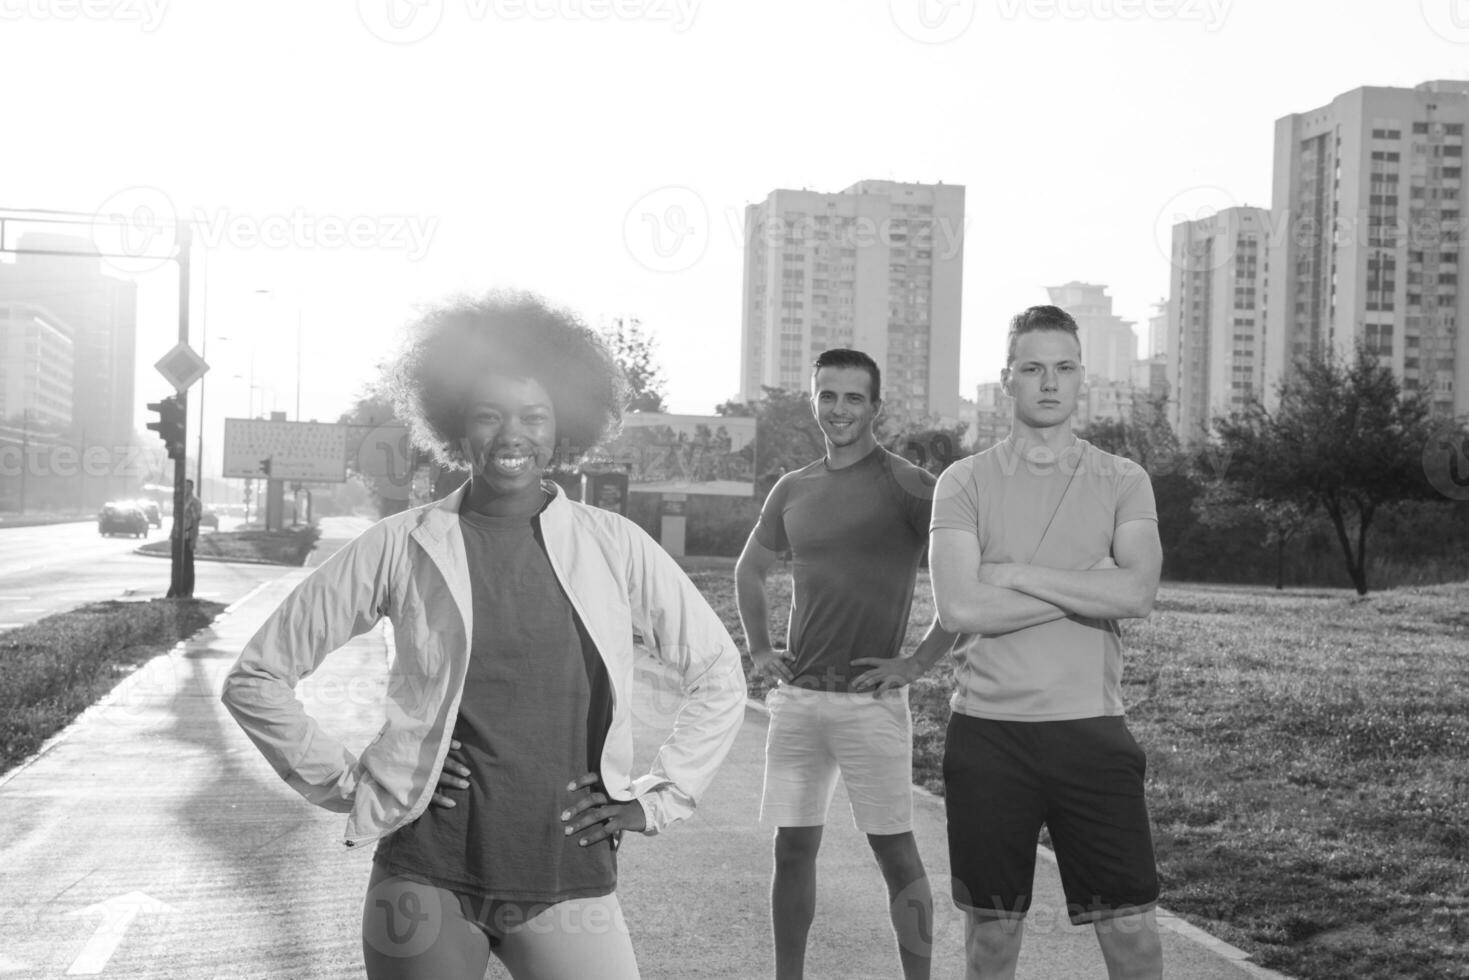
(436, 521)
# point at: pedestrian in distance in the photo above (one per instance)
(1040, 545)
(186, 525)
(856, 525)
(500, 787)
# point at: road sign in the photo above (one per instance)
(280, 450)
(181, 367)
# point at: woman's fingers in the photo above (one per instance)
(439, 799)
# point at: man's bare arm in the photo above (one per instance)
(1124, 592)
(968, 605)
(753, 565)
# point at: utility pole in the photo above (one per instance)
(180, 465)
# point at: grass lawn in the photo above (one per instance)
(58, 666)
(1308, 765)
(288, 547)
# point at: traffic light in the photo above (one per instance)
(265, 466)
(170, 424)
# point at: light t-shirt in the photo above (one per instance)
(1061, 515)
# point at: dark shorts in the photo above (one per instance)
(1083, 780)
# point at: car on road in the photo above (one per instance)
(151, 510)
(122, 517)
(210, 518)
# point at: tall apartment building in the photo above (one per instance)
(877, 267)
(1369, 240)
(102, 314)
(36, 359)
(1108, 343)
(1217, 336)
(1158, 329)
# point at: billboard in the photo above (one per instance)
(662, 453)
(306, 451)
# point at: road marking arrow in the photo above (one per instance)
(117, 914)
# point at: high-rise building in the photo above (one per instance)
(102, 314)
(1216, 339)
(1158, 329)
(877, 267)
(36, 359)
(1368, 242)
(1108, 343)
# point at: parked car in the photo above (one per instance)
(122, 517)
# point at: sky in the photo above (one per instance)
(345, 163)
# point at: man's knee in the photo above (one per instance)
(1131, 945)
(897, 856)
(993, 943)
(796, 846)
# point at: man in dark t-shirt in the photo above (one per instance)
(855, 523)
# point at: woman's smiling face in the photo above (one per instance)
(509, 432)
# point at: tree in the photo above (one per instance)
(1344, 438)
(786, 434)
(379, 453)
(636, 353)
(1223, 506)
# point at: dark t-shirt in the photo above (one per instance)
(856, 536)
(534, 716)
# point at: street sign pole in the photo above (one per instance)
(180, 465)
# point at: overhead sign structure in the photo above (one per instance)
(181, 367)
(313, 452)
(662, 453)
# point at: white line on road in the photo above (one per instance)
(117, 914)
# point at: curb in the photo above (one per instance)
(217, 558)
(1166, 919)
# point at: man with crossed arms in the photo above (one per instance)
(1039, 545)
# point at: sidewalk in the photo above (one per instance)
(152, 840)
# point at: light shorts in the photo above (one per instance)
(814, 735)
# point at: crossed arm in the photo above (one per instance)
(1000, 597)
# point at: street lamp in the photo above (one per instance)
(271, 294)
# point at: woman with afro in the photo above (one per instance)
(498, 790)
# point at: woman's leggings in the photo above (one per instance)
(415, 931)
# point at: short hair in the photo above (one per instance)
(848, 358)
(1040, 318)
(452, 345)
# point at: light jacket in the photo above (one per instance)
(411, 567)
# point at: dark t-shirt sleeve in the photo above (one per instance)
(1135, 499)
(914, 486)
(770, 531)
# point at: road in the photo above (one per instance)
(56, 567)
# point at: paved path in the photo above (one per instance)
(151, 840)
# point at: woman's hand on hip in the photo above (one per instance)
(454, 776)
(595, 817)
